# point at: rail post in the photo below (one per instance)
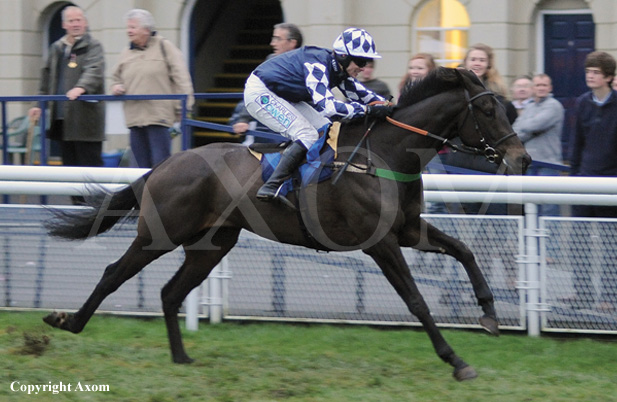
(532, 274)
(192, 309)
(216, 279)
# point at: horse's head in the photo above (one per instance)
(484, 126)
(468, 110)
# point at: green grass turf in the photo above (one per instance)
(275, 362)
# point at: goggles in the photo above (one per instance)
(360, 61)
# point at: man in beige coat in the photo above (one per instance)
(150, 65)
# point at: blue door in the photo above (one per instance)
(568, 38)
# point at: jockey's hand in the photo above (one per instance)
(380, 111)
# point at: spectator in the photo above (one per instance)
(593, 150)
(539, 128)
(418, 67)
(150, 65)
(75, 66)
(522, 93)
(291, 94)
(480, 59)
(374, 84)
(285, 37)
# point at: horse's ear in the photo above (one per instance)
(462, 72)
(472, 77)
(448, 74)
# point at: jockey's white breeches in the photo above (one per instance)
(296, 121)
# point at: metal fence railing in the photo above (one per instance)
(530, 262)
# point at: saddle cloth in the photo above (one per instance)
(318, 165)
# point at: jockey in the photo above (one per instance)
(290, 94)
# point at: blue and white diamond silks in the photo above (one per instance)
(323, 98)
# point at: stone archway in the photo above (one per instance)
(51, 24)
(227, 40)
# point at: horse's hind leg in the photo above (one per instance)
(438, 241)
(133, 261)
(391, 261)
(196, 267)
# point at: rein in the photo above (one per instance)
(364, 137)
(487, 151)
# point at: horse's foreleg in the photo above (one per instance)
(390, 259)
(133, 261)
(196, 267)
(429, 238)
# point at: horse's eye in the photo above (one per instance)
(489, 112)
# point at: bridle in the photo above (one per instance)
(488, 151)
(485, 149)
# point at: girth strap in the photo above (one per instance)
(378, 172)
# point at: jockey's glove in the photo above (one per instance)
(380, 111)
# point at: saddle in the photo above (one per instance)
(258, 148)
(317, 167)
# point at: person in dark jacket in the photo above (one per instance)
(594, 143)
(291, 95)
(75, 66)
(593, 149)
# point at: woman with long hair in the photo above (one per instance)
(418, 67)
(480, 59)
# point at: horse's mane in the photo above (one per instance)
(437, 81)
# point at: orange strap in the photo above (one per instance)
(406, 126)
(377, 102)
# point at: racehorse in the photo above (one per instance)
(201, 199)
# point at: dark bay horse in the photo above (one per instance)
(202, 198)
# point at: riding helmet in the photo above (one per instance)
(354, 43)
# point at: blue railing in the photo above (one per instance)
(184, 123)
(43, 101)
(225, 127)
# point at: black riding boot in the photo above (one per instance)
(290, 160)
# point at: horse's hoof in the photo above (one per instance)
(56, 320)
(490, 324)
(183, 360)
(465, 373)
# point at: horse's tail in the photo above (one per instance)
(104, 210)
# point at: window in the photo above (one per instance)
(441, 30)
